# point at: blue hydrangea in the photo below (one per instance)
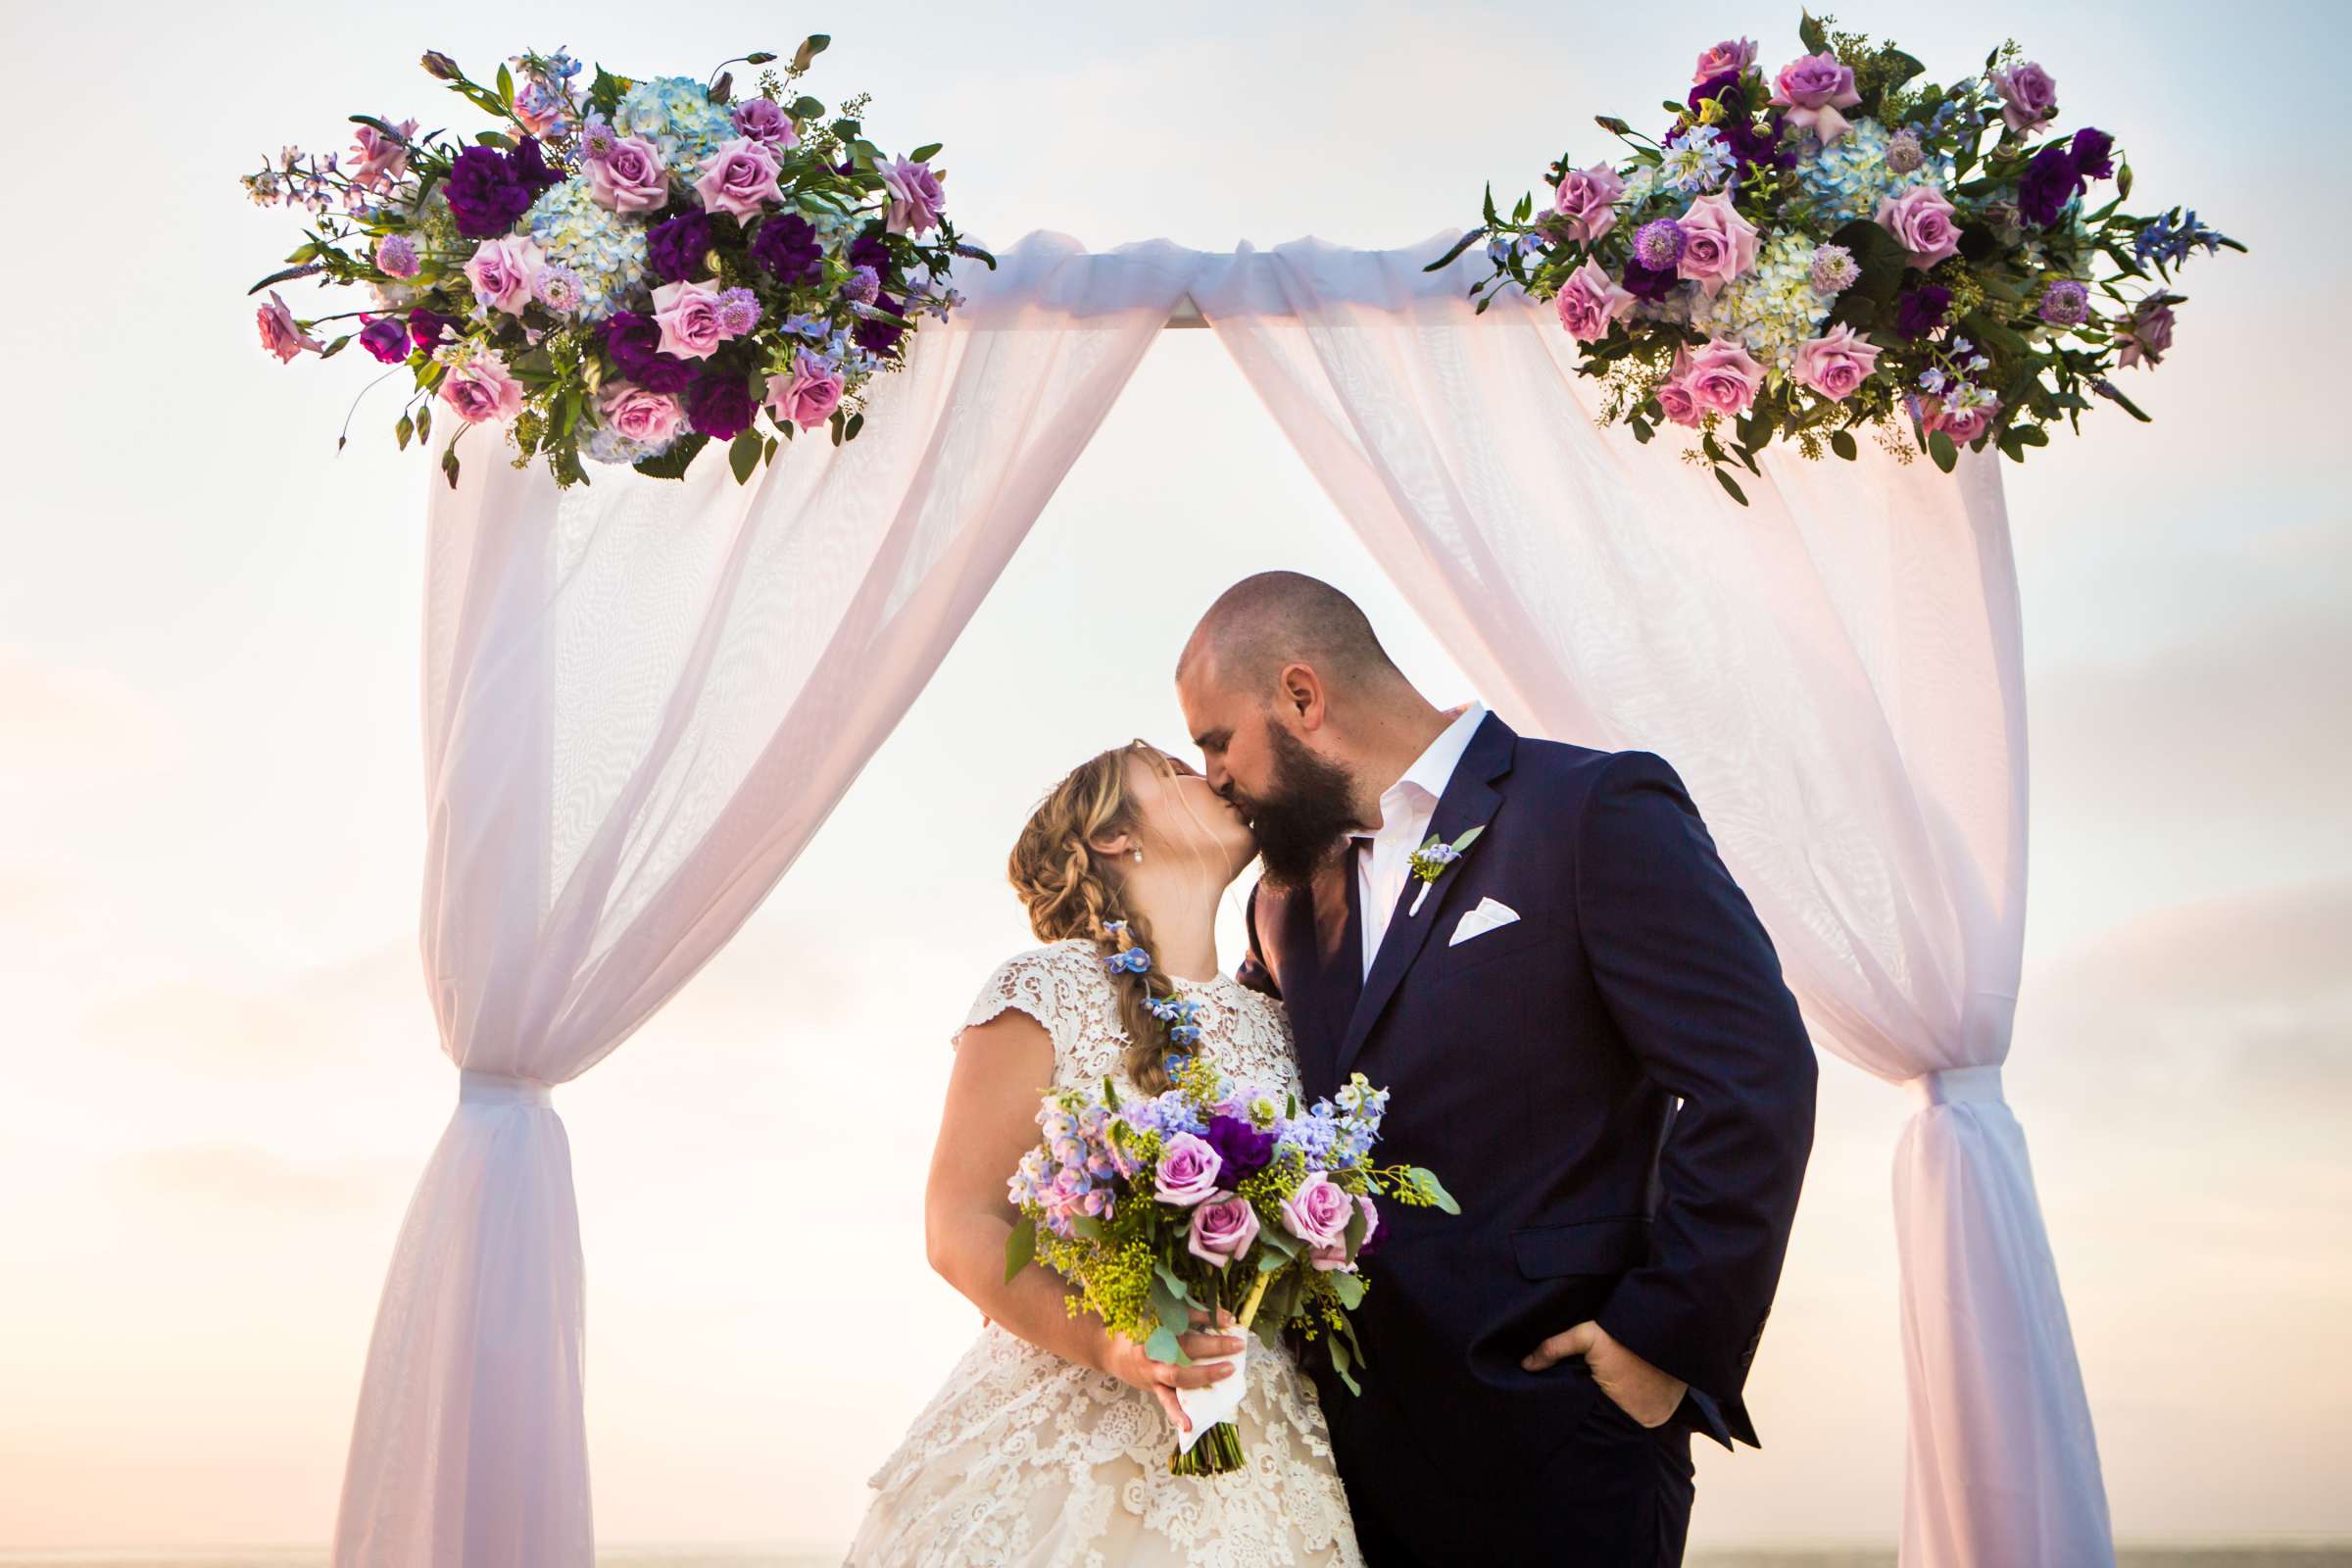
(1848, 179)
(607, 251)
(605, 444)
(677, 115)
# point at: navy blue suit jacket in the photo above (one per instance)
(1536, 1068)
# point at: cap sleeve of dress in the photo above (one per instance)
(1048, 984)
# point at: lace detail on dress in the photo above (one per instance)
(1025, 1458)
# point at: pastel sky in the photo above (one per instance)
(217, 1076)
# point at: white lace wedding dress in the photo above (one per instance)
(1025, 1458)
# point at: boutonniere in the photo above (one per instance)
(1431, 860)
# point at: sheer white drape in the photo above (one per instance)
(1835, 670)
(641, 701)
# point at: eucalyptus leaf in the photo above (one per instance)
(1162, 1346)
(1427, 1180)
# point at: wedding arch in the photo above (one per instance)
(643, 698)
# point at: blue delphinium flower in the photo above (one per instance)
(1697, 160)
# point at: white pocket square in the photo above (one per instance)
(1490, 914)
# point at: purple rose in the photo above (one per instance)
(2148, 335)
(915, 197)
(1589, 303)
(1718, 244)
(786, 247)
(1921, 310)
(720, 404)
(485, 195)
(2029, 96)
(1240, 1146)
(764, 119)
(676, 248)
(1813, 88)
(1189, 1168)
(1222, 1229)
(2094, 153)
(386, 338)
(2049, 183)
(1723, 376)
(740, 179)
(1318, 1212)
(1921, 220)
(630, 178)
(1585, 201)
(1730, 57)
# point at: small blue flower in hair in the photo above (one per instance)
(1131, 960)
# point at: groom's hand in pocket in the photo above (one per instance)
(1642, 1391)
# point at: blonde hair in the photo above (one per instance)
(1071, 892)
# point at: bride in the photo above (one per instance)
(1049, 1444)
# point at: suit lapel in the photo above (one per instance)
(1469, 801)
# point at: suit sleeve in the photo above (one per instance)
(1694, 985)
(1255, 972)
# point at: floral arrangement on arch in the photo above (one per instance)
(1834, 248)
(625, 273)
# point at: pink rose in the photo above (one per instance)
(1719, 244)
(1963, 425)
(690, 320)
(740, 179)
(1723, 378)
(638, 414)
(1835, 363)
(1222, 1228)
(1732, 56)
(1318, 1212)
(630, 177)
(1586, 198)
(915, 199)
(2029, 96)
(809, 396)
(1187, 1171)
(1921, 221)
(1589, 301)
(764, 120)
(482, 389)
(503, 271)
(381, 159)
(282, 334)
(1674, 395)
(1813, 88)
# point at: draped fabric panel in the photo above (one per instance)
(641, 700)
(1836, 672)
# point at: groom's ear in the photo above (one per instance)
(1299, 690)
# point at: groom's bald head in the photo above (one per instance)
(1262, 625)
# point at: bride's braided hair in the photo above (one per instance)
(1071, 891)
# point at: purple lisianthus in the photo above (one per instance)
(425, 328)
(867, 250)
(486, 194)
(1724, 85)
(2049, 183)
(634, 343)
(1753, 147)
(880, 337)
(2094, 153)
(1921, 310)
(2065, 303)
(531, 168)
(1649, 283)
(1658, 244)
(1240, 1146)
(675, 248)
(786, 246)
(387, 338)
(721, 403)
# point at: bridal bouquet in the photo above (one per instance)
(1213, 1195)
(1830, 246)
(624, 270)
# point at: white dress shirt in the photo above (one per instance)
(1384, 857)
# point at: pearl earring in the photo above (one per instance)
(1139, 855)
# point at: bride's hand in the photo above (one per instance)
(1125, 1361)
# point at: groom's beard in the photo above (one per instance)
(1301, 819)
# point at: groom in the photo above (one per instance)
(1589, 1041)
